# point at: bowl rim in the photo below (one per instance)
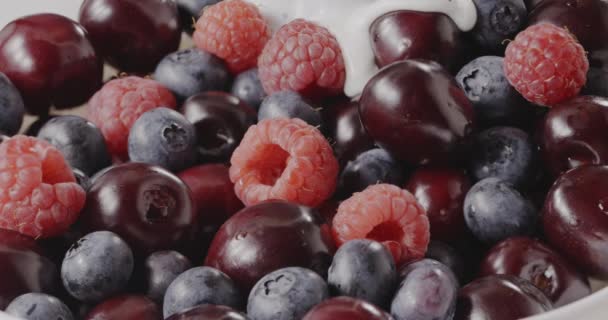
(592, 307)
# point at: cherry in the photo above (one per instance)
(346, 308)
(220, 120)
(401, 35)
(209, 312)
(50, 60)
(23, 267)
(133, 35)
(269, 236)
(415, 110)
(126, 307)
(147, 206)
(575, 221)
(441, 192)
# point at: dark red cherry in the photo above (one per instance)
(346, 308)
(209, 312)
(575, 218)
(132, 35)
(147, 206)
(220, 120)
(573, 134)
(441, 192)
(401, 35)
(126, 307)
(500, 298)
(23, 267)
(50, 60)
(416, 110)
(269, 236)
(532, 260)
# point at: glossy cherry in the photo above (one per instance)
(441, 192)
(209, 312)
(416, 110)
(401, 35)
(147, 206)
(132, 35)
(220, 120)
(50, 60)
(575, 219)
(126, 307)
(346, 308)
(269, 236)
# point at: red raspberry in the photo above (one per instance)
(120, 102)
(546, 64)
(387, 214)
(285, 159)
(233, 30)
(39, 196)
(302, 57)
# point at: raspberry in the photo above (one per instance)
(302, 57)
(546, 64)
(39, 196)
(233, 30)
(387, 214)
(120, 102)
(284, 159)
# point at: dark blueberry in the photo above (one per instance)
(370, 167)
(497, 21)
(82, 179)
(288, 104)
(161, 268)
(201, 285)
(495, 101)
(192, 71)
(248, 87)
(34, 127)
(12, 109)
(428, 291)
(494, 211)
(190, 11)
(448, 256)
(97, 266)
(80, 141)
(286, 294)
(163, 137)
(39, 306)
(503, 152)
(363, 269)
(597, 82)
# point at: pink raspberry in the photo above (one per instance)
(39, 196)
(285, 159)
(387, 214)
(546, 64)
(302, 57)
(120, 102)
(233, 30)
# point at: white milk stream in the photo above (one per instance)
(350, 20)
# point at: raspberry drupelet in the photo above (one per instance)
(284, 159)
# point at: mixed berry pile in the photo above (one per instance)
(235, 180)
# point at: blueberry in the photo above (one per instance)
(363, 269)
(97, 266)
(494, 100)
(448, 256)
(494, 211)
(503, 152)
(80, 141)
(201, 285)
(34, 127)
(497, 21)
(39, 306)
(12, 109)
(288, 104)
(428, 291)
(286, 294)
(165, 138)
(248, 87)
(161, 268)
(370, 167)
(192, 71)
(190, 11)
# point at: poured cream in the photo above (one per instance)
(350, 20)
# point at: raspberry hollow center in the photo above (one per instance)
(386, 232)
(270, 164)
